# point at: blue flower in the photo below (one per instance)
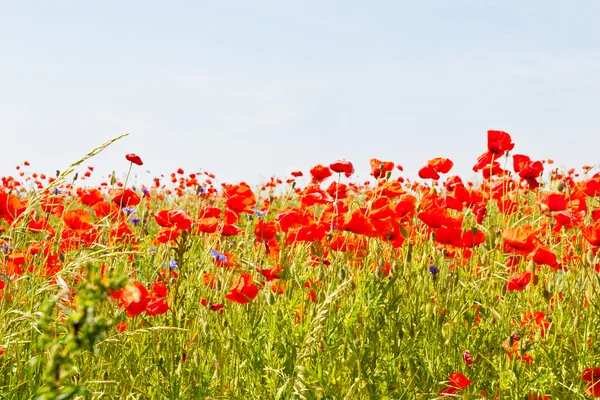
(173, 264)
(56, 191)
(218, 256)
(145, 191)
(259, 213)
(434, 271)
(128, 210)
(134, 220)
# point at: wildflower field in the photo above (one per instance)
(331, 289)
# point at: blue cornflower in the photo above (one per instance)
(129, 210)
(146, 191)
(434, 271)
(173, 264)
(5, 248)
(56, 191)
(259, 214)
(135, 220)
(218, 256)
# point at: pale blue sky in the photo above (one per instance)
(248, 89)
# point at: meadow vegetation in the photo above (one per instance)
(334, 289)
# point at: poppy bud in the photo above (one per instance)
(467, 357)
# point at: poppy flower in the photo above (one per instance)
(134, 159)
(499, 142)
(472, 238)
(134, 298)
(537, 397)
(265, 231)
(342, 166)
(126, 198)
(536, 320)
(243, 290)
(230, 230)
(434, 167)
(592, 233)
(78, 220)
(271, 273)
(170, 218)
(519, 281)
(157, 307)
(90, 197)
(458, 380)
(165, 235)
(358, 223)
(427, 172)
(10, 206)
(545, 257)
(527, 169)
(320, 172)
(240, 198)
(592, 376)
(380, 168)
(521, 240)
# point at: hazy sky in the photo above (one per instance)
(248, 89)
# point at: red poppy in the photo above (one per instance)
(545, 257)
(472, 238)
(230, 230)
(342, 166)
(10, 206)
(134, 159)
(441, 165)
(537, 397)
(521, 240)
(358, 223)
(592, 233)
(134, 298)
(165, 235)
(90, 197)
(170, 218)
(157, 307)
(207, 225)
(271, 273)
(499, 142)
(240, 198)
(519, 281)
(208, 212)
(448, 391)
(320, 172)
(592, 376)
(381, 168)
(78, 220)
(243, 290)
(527, 169)
(265, 231)
(427, 172)
(458, 380)
(126, 198)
